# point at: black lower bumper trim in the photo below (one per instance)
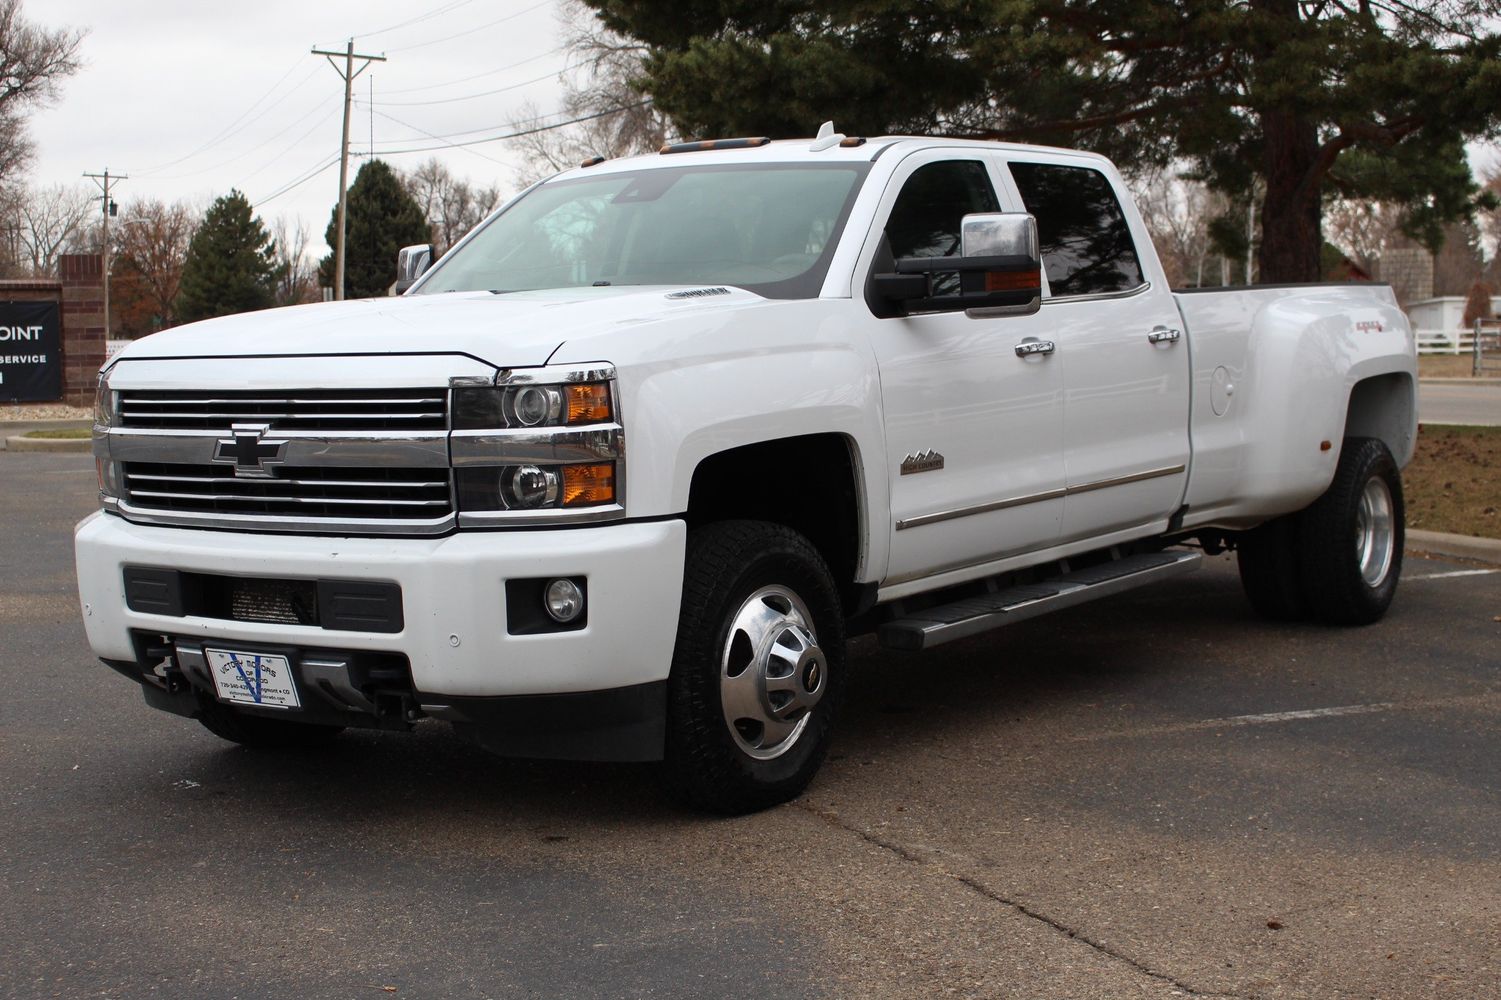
(617, 724)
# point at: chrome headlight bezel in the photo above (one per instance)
(556, 430)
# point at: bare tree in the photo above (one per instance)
(32, 61)
(150, 245)
(42, 223)
(450, 204)
(299, 272)
(1489, 220)
(1362, 229)
(618, 119)
(1177, 211)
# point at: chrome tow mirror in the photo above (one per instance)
(411, 262)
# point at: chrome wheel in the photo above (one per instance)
(772, 674)
(1375, 532)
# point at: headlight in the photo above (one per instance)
(538, 446)
(536, 487)
(106, 404)
(524, 406)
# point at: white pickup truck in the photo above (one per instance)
(620, 474)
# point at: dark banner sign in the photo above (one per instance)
(31, 363)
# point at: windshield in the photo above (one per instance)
(768, 228)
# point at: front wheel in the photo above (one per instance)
(758, 669)
(1352, 537)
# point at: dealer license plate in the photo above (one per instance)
(252, 678)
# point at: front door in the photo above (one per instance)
(974, 432)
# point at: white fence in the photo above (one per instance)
(1445, 341)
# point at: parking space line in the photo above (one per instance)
(1454, 573)
(1488, 698)
(1307, 713)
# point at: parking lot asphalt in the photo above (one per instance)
(1156, 795)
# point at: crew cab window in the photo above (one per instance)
(925, 220)
(1086, 244)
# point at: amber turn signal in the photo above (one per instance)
(585, 485)
(1006, 281)
(589, 403)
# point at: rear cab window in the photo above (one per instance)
(1085, 240)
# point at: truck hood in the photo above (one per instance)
(509, 330)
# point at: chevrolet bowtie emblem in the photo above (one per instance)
(250, 452)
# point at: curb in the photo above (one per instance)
(1448, 380)
(12, 429)
(1463, 546)
(19, 443)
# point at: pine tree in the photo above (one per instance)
(1295, 99)
(383, 218)
(231, 263)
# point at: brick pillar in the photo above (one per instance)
(83, 325)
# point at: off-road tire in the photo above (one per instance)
(1338, 590)
(728, 563)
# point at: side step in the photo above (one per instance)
(973, 615)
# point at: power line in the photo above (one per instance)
(222, 133)
(471, 97)
(301, 180)
(482, 27)
(514, 135)
(478, 76)
(289, 147)
(442, 9)
(472, 131)
(249, 152)
(430, 135)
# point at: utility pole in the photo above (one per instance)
(105, 182)
(348, 72)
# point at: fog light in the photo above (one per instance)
(564, 601)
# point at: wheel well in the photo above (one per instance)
(806, 483)
(1382, 407)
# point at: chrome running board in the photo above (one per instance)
(971, 616)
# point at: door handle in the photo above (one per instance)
(1162, 335)
(1032, 346)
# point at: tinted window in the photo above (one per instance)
(925, 219)
(1086, 245)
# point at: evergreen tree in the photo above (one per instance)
(1296, 99)
(383, 218)
(231, 263)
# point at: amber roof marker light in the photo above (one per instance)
(708, 144)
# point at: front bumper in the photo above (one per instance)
(454, 631)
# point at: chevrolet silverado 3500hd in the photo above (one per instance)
(619, 474)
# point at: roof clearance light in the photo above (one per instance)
(707, 144)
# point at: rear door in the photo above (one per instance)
(1120, 346)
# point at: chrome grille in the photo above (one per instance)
(348, 494)
(286, 410)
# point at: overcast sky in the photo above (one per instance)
(193, 98)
